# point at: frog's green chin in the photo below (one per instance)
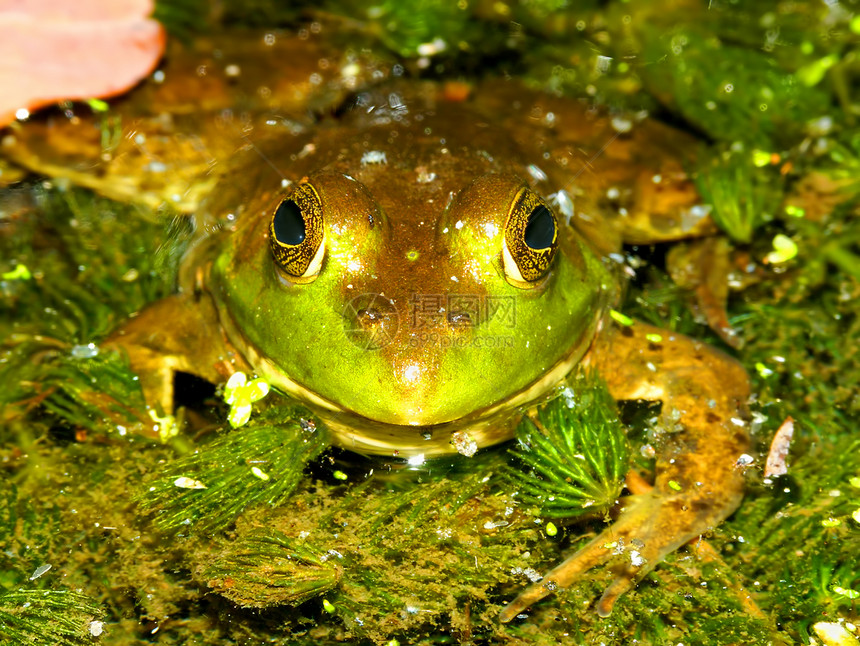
(476, 429)
(425, 436)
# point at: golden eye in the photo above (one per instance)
(296, 233)
(531, 239)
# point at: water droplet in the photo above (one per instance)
(87, 351)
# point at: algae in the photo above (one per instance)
(430, 555)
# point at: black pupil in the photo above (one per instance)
(540, 229)
(289, 224)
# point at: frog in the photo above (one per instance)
(421, 268)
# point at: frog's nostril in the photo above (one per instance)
(370, 321)
(459, 320)
(371, 317)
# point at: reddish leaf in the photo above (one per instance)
(53, 50)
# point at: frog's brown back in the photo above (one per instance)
(168, 141)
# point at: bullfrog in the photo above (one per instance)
(420, 267)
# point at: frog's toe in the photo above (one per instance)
(651, 526)
(562, 576)
(607, 600)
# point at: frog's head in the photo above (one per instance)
(410, 299)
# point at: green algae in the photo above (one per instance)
(49, 323)
(430, 556)
(48, 617)
(268, 568)
(396, 544)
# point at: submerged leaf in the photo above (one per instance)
(743, 196)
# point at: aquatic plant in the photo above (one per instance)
(431, 557)
(742, 195)
(58, 617)
(205, 491)
(573, 453)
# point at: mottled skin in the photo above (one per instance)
(424, 230)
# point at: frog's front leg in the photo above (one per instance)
(698, 483)
(180, 333)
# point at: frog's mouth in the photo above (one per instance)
(484, 427)
(480, 428)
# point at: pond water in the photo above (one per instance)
(116, 530)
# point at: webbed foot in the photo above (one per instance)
(176, 334)
(698, 484)
(650, 527)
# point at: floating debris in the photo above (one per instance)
(259, 473)
(834, 634)
(373, 157)
(775, 465)
(784, 249)
(19, 273)
(184, 482)
(87, 351)
(620, 318)
(40, 571)
(96, 628)
(464, 443)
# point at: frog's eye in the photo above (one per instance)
(296, 233)
(531, 239)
